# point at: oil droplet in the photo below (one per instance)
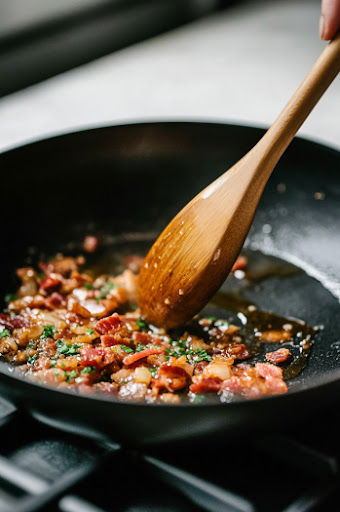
(155, 265)
(217, 254)
(167, 301)
(319, 196)
(180, 292)
(266, 228)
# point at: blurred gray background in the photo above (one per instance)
(122, 60)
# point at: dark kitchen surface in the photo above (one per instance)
(45, 469)
(40, 38)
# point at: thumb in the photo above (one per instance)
(330, 19)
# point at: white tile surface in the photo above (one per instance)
(240, 65)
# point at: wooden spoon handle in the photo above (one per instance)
(302, 102)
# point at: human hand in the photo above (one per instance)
(330, 18)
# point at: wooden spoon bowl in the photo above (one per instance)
(195, 252)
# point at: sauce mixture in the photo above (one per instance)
(68, 328)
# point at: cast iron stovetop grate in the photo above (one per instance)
(42, 468)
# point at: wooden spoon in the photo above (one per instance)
(195, 252)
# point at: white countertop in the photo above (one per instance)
(239, 65)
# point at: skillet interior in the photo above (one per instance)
(133, 178)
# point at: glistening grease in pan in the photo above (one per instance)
(74, 323)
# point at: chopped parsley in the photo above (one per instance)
(140, 347)
(183, 348)
(53, 362)
(4, 333)
(30, 345)
(197, 399)
(88, 286)
(56, 374)
(90, 331)
(153, 371)
(32, 359)
(142, 324)
(105, 290)
(48, 332)
(67, 350)
(9, 297)
(71, 375)
(126, 348)
(212, 319)
(88, 369)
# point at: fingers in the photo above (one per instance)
(330, 19)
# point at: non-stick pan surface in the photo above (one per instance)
(128, 181)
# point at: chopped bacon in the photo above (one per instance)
(205, 385)
(132, 358)
(50, 281)
(171, 378)
(142, 337)
(108, 324)
(240, 264)
(238, 351)
(278, 356)
(93, 356)
(108, 340)
(55, 301)
(13, 322)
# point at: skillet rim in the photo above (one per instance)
(5, 372)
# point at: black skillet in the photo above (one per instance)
(130, 180)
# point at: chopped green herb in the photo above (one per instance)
(212, 319)
(56, 374)
(90, 331)
(197, 399)
(88, 369)
(9, 297)
(32, 359)
(71, 375)
(89, 286)
(53, 362)
(30, 345)
(126, 349)
(142, 324)
(105, 290)
(48, 332)
(140, 347)
(4, 333)
(67, 350)
(182, 348)
(153, 371)
(222, 323)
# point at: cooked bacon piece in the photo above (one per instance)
(93, 357)
(142, 337)
(55, 301)
(275, 336)
(171, 378)
(240, 264)
(108, 324)
(90, 243)
(133, 358)
(13, 322)
(278, 356)
(254, 382)
(109, 340)
(238, 351)
(206, 384)
(50, 281)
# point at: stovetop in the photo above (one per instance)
(46, 469)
